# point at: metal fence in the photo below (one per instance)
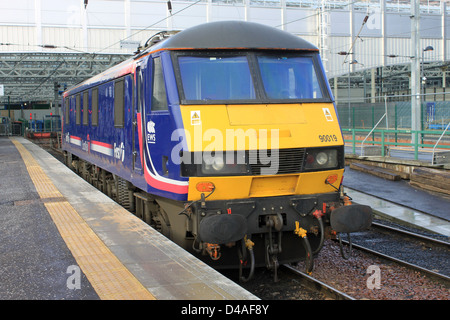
(49, 123)
(10, 129)
(435, 115)
(385, 128)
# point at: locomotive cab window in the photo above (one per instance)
(286, 77)
(216, 78)
(255, 77)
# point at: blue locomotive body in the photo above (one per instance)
(111, 122)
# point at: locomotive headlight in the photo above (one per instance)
(318, 159)
(212, 164)
(218, 164)
(205, 164)
(322, 158)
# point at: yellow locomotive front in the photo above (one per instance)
(261, 145)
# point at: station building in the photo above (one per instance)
(371, 49)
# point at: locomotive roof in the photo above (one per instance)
(234, 35)
(212, 35)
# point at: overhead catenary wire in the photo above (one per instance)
(356, 38)
(154, 24)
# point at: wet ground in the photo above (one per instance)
(399, 192)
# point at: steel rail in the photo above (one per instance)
(411, 234)
(430, 273)
(317, 285)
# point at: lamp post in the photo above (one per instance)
(415, 73)
(422, 73)
(423, 81)
(349, 97)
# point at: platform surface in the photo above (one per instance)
(53, 222)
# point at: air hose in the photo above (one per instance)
(247, 244)
(343, 254)
(318, 215)
(309, 262)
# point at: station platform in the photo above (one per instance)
(399, 202)
(62, 239)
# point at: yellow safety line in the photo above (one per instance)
(109, 277)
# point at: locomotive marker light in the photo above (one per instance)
(331, 179)
(205, 186)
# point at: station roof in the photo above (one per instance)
(396, 77)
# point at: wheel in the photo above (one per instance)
(124, 194)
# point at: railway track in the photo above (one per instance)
(416, 234)
(437, 247)
(435, 275)
(339, 279)
(407, 247)
(436, 283)
(313, 284)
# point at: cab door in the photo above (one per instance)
(159, 124)
(137, 131)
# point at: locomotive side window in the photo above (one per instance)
(78, 109)
(159, 98)
(67, 111)
(140, 90)
(289, 77)
(119, 99)
(94, 117)
(86, 108)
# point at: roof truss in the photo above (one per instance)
(32, 76)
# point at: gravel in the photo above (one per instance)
(356, 277)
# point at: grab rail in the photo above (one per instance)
(362, 144)
(437, 142)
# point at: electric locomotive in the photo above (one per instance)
(225, 138)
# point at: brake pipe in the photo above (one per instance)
(247, 244)
(318, 215)
(341, 247)
(309, 255)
